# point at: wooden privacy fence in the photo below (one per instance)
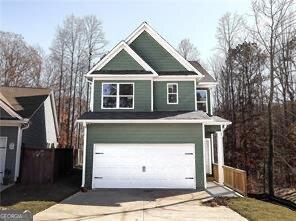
(235, 179)
(40, 166)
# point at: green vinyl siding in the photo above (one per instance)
(123, 61)
(11, 134)
(154, 54)
(186, 96)
(142, 96)
(145, 133)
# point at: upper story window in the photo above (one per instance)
(202, 100)
(172, 93)
(117, 95)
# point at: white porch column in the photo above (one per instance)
(84, 154)
(220, 153)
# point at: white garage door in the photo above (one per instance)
(144, 166)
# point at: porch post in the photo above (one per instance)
(220, 153)
(84, 154)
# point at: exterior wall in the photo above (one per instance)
(122, 61)
(11, 134)
(35, 135)
(142, 97)
(154, 54)
(185, 93)
(145, 133)
(51, 134)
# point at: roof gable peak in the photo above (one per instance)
(118, 48)
(157, 37)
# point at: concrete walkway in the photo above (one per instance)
(140, 205)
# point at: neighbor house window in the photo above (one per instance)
(117, 95)
(201, 100)
(172, 93)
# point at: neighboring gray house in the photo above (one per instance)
(150, 123)
(27, 119)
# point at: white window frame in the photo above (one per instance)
(202, 102)
(117, 96)
(168, 93)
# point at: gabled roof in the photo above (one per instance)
(145, 27)
(207, 77)
(119, 47)
(24, 102)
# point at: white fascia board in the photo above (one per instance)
(13, 123)
(119, 47)
(9, 110)
(176, 78)
(145, 27)
(146, 121)
(213, 123)
(122, 77)
(207, 84)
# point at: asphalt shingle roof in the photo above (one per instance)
(24, 101)
(208, 77)
(164, 115)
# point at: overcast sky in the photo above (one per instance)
(174, 20)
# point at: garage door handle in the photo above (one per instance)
(143, 169)
(98, 177)
(188, 178)
(188, 153)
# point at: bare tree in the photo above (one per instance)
(269, 16)
(20, 63)
(95, 42)
(188, 50)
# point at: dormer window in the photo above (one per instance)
(172, 93)
(202, 100)
(117, 95)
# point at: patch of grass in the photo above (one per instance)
(255, 210)
(36, 198)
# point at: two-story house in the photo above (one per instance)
(150, 123)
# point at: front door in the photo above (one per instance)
(3, 145)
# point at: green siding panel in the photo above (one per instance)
(186, 96)
(123, 61)
(145, 133)
(11, 134)
(154, 54)
(142, 97)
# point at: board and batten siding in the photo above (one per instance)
(142, 96)
(186, 96)
(11, 134)
(145, 133)
(154, 54)
(122, 61)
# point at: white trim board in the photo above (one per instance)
(119, 47)
(149, 121)
(9, 110)
(145, 27)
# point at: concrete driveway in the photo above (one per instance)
(138, 205)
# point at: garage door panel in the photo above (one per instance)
(144, 166)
